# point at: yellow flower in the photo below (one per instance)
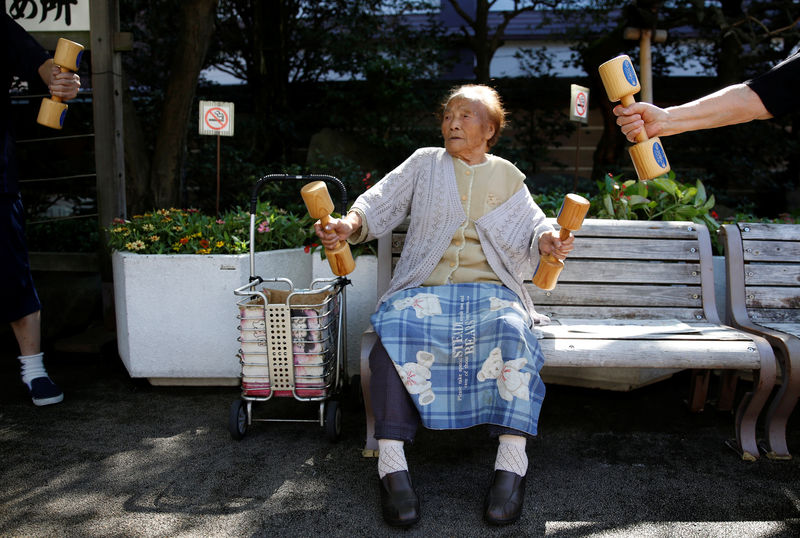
(177, 228)
(135, 245)
(220, 244)
(154, 238)
(148, 227)
(204, 251)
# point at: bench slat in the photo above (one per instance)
(775, 315)
(770, 231)
(771, 251)
(618, 295)
(636, 249)
(792, 328)
(638, 331)
(617, 248)
(581, 270)
(611, 312)
(772, 274)
(576, 352)
(635, 228)
(772, 297)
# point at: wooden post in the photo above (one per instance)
(108, 132)
(107, 105)
(645, 36)
(218, 142)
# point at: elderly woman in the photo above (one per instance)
(455, 346)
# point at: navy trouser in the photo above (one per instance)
(396, 416)
(18, 296)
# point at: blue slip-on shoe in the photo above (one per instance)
(44, 392)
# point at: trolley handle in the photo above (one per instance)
(305, 178)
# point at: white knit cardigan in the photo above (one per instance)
(424, 187)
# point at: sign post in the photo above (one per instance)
(216, 118)
(578, 111)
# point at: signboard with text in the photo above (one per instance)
(50, 15)
(216, 118)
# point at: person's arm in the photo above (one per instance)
(64, 85)
(729, 106)
(338, 229)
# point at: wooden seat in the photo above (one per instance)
(763, 286)
(633, 294)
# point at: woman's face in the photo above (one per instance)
(466, 130)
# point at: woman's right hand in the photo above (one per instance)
(337, 230)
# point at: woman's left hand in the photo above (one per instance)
(550, 243)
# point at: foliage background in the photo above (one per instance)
(375, 83)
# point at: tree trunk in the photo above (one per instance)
(197, 26)
(137, 160)
(271, 72)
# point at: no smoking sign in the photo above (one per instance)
(579, 110)
(216, 118)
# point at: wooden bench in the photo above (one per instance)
(763, 286)
(634, 294)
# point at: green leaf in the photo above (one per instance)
(700, 199)
(608, 205)
(666, 185)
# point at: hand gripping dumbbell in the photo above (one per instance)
(620, 81)
(67, 57)
(319, 204)
(570, 218)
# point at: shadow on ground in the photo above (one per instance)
(121, 458)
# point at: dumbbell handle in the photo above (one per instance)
(628, 100)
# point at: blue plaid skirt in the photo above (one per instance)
(466, 355)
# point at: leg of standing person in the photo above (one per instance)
(21, 306)
(396, 422)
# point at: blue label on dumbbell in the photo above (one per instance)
(78, 60)
(659, 155)
(630, 74)
(61, 119)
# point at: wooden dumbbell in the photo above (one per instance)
(620, 81)
(570, 218)
(319, 204)
(67, 57)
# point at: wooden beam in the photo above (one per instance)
(107, 103)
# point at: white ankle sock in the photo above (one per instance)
(32, 367)
(511, 455)
(391, 457)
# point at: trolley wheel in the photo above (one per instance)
(237, 419)
(333, 420)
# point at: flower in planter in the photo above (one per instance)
(188, 231)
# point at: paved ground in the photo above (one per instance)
(121, 458)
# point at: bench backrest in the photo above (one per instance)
(619, 269)
(770, 268)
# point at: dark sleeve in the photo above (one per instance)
(779, 87)
(23, 54)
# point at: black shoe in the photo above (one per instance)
(399, 501)
(44, 392)
(505, 498)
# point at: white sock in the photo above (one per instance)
(511, 455)
(32, 367)
(391, 457)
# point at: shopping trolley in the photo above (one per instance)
(293, 340)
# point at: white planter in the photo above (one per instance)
(176, 314)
